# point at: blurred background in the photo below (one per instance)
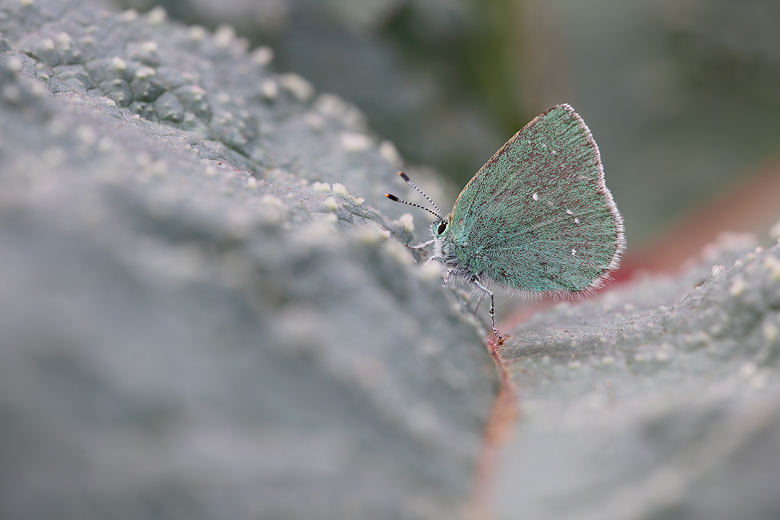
(682, 96)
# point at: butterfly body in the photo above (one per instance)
(537, 217)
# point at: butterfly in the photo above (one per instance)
(537, 218)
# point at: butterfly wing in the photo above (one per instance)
(538, 216)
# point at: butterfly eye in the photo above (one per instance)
(442, 228)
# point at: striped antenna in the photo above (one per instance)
(396, 199)
(408, 181)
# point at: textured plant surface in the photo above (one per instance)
(206, 311)
(657, 400)
(198, 319)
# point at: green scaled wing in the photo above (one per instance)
(538, 216)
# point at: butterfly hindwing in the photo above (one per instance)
(538, 216)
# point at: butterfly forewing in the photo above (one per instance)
(538, 216)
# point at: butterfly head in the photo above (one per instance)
(440, 228)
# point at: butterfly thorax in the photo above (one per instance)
(448, 250)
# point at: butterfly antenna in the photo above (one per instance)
(408, 181)
(396, 199)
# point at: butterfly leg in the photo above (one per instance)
(488, 292)
(420, 246)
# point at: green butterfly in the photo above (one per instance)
(536, 218)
